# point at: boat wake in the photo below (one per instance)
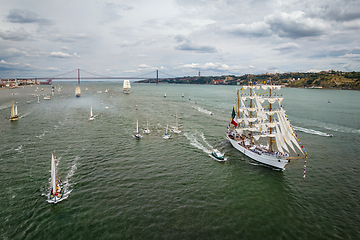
(310, 131)
(203, 110)
(24, 115)
(198, 140)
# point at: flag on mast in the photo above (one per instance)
(233, 119)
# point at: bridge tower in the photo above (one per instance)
(78, 76)
(157, 76)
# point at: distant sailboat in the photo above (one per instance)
(166, 136)
(92, 117)
(176, 128)
(137, 135)
(47, 97)
(56, 186)
(164, 95)
(77, 91)
(147, 130)
(126, 86)
(38, 98)
(14, 114)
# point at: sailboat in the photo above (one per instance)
(38, 98)
(137, 135)
(56, 186)
(176, 128)
(262, 131)
(164, 95)
(147, 130)
(14, 114)
(92, 117)
(126, 86)
(77, 91)
(166, 135)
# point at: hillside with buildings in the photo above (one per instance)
(324, 79)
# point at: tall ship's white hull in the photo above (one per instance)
(268, 160)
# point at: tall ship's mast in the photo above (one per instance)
(262, 131)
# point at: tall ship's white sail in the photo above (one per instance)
(260, 129)
(126, 86)
(14, 114)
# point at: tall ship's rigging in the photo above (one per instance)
(261, 130)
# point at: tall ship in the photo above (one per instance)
(77, 91)
(260, 129)
(126, 86)
(14, 113)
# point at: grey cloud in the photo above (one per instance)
(288, 47)
(188, 45)
(15, 35)
(256, 29)
(70, 38)
(24, 16)
(337, 10)
(296, 25)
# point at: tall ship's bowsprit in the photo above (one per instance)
(126, 86)
(260, 129)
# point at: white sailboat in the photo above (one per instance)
(14, 114)
(261, 131)
(166, 135)
(56, 186)
(92, 117)
(164, 95)
(126, 86)
(147, 130)
(38, 98)
(137, 135)
(176, 128)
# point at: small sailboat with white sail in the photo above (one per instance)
(126, 86)
(176, 129)
(166, 135)
(137, 135)
(147, 130)
(14, 113)
(92, 117)
(261, 130)
(56, 187)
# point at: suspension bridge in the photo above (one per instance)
(94, 76)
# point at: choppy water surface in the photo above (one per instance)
(123, 188)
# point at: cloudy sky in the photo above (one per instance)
(177, 37)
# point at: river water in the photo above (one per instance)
(123, 188)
